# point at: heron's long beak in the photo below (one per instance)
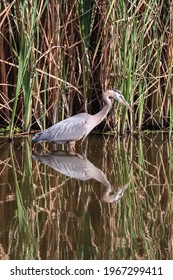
(124, 102)
(128, 106)
(120, 98)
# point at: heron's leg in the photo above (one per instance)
(84, 148)
(71, 146)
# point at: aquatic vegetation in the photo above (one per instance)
(57, 57)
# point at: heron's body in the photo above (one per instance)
(70, 132)
(79, 126)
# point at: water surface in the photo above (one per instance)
(110, 200)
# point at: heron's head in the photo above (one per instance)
(117, 95)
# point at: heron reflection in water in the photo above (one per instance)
(79, 167)
(79, 126)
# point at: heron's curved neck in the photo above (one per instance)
(104, 111)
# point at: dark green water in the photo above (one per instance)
(111, 200)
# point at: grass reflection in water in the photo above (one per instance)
(117, 204)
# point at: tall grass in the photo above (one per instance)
(57, 57)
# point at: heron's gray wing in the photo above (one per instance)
(71, 129)
(74, 166)
(70, 165)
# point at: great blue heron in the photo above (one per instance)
(79, 167)
(79, 126)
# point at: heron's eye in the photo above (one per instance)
(121, 97)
